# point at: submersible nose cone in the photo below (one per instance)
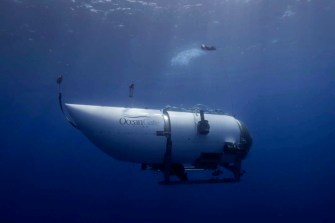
(83, 115)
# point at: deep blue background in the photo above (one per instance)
(274, 68)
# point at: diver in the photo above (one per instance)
(208, 48)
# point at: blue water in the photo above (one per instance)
(273, 68)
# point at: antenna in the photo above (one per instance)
(131, 90)
(60, 100)
(131, 93)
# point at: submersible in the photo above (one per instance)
(169, 141)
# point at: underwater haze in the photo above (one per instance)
(273, 68)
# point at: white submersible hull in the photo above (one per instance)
(163, 139)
